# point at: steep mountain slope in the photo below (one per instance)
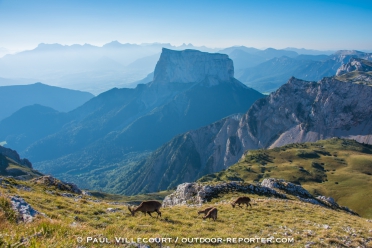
(270, 75)
(299, 111)
(189, 89)
(12, 98)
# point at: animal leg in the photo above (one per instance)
(149, 214)
(159, 213)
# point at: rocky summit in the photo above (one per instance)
(191, 66)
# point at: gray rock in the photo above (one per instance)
(136, 245)
(113, 210)
(195, 193)
(288, 187)
(25, 212)
(67, 195)
(86, 193)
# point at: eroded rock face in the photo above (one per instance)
(25, 212)
(192, 66)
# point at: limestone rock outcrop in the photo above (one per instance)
(197, 193)
(24, 210)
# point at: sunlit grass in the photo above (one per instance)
(338, 168)
(70, 218)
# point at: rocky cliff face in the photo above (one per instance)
(299, 111)
(303, 111)
(192, 66)
(355, 64)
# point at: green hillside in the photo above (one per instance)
(338, 168)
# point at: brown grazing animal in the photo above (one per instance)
(211, 214)
(147, 207)
(242, 200)
(205, 211)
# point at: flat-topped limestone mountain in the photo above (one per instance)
(192, 66)
(119, 126)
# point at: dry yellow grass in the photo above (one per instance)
(69, 219)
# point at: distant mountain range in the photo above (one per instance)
(189, 89)
(270, 75)
(85, 67)
(98, 69)
(297, 112)
(13, 98)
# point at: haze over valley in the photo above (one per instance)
(185, 108)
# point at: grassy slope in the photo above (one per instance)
(9, 167)
(70, 218)
(338, 168)
(351, 76)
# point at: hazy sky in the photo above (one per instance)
(311, 24)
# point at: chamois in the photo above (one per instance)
(205, 211)
(241, 200)
(211, 214)
(147, 207)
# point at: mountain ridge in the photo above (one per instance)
(297, 112)
(14, 97)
